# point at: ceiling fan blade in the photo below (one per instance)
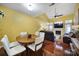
(51, 4)
(58, 15)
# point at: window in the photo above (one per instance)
(68, 25)
(50, 27)
(68, 28)
(47, 26)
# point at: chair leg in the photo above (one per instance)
(34, 53)
(5, 53)
(25, 53)
(38, 53)
(18, 54)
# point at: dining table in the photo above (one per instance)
(26, 40)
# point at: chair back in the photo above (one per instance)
(67, 39)
(37, 33)
(75, 42)
(73, 49)
(40, 38)
(5, 43)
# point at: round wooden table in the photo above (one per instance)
(26, 39)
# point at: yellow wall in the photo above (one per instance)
(64, 18)
(44, 18)
(77, 5)
(76, 21)
(14, 22)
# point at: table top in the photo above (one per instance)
(25, 39)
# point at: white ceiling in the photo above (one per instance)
(39, 8)
(61, 8)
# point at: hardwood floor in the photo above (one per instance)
(47, 50)
(2, 52)
(28, 52)
(33, 53)
(50, 49)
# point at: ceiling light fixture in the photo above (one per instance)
(30, 7)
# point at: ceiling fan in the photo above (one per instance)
(56, 15)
